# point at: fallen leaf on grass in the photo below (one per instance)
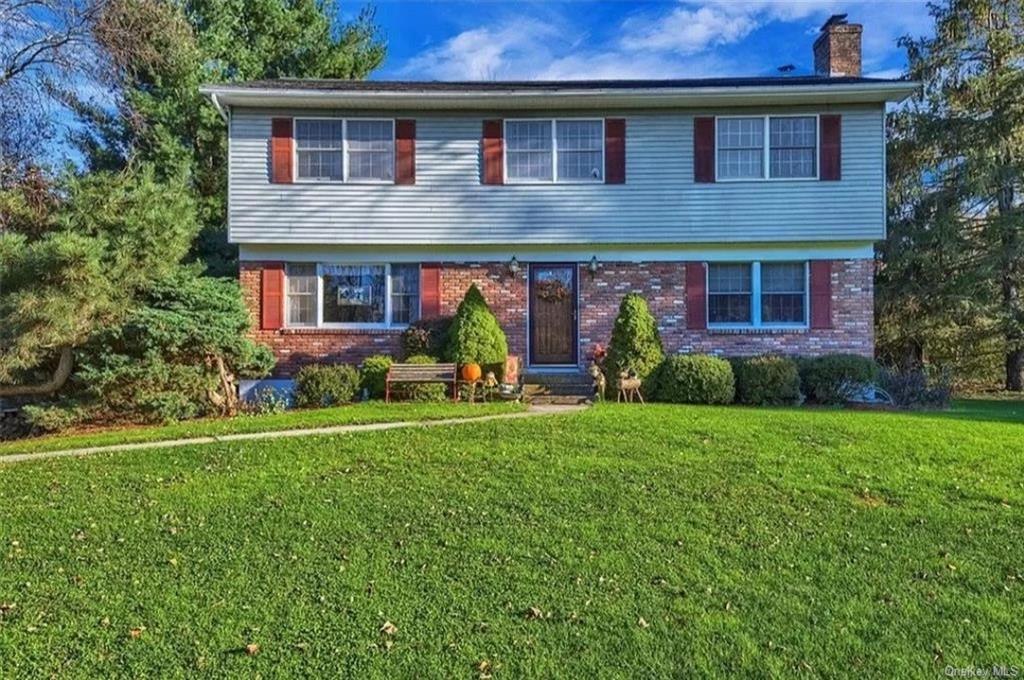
(136, 633)
(388, 628)
(485, 669)
(252, 649)
(642, 623)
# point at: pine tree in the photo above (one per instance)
(955, 257)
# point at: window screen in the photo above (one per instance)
(371, 150)
(793, 147)
(579, 149)
(528, 150)
(783, 287)
(729, 293)
(740, 148)
(301, 294)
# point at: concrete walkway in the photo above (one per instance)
(532, 411)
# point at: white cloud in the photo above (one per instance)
(506, 51)
(690, 38)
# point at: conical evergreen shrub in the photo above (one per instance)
(635, 344)
(475, 337)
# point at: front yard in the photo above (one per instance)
(632, 541)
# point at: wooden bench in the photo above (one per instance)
(445, 374)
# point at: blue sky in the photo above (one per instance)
(439, 40)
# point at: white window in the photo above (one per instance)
(318, 149)
(554, 150)
(757, 294)
(371, 150)
(793, 147)
(740, 148)
(773, 147)
(529, 150)
(352, 295)
(580, 149)
(335, 150)
(301, 294)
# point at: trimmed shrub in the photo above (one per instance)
(426, 336)
(635, 345)
(374, 373)
(317, 386)
(426, 392)
(917, 388)
(475, 337)
(766, 381)
(836, 378)
(694, 379)
(53, 417)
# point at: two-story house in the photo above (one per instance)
(744, 209)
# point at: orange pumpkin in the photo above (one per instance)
(471, 372)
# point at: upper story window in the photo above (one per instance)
(554, 150)
(757, 294)
(318, 149)
(335, 150)
(335, 295)
(371, 150)
(773, 147)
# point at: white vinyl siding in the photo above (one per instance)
(660, 204)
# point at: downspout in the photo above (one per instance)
(216, 105)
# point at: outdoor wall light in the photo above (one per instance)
(513, 266)
(592, 267)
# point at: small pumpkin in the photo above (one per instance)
(471, 372)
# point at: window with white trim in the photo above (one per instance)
(352, 295)
(352, 150)
(554, 150)
(301, 294)
(371, 150)
(318, 149)
(773, 147)
(757, 294)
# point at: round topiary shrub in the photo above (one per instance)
(836, 378)
(475, 337)
(428, 391)
(766, 381)
(373, 374)
(694, 379)
(635, 345)
(317, 386)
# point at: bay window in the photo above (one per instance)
(757, 294)
(554, 150)
(773, 147)
(352, 295)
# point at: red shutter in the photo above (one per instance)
(405, 152)
(696, 295)
(831, 148)
(272, 296)
(821, 293)
(704, 149)
(281, 151)
(430, 290)
(493, 152)
(615, 151)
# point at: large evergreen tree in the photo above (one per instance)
(160, 115)
(954, 264)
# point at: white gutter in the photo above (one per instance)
(893, 91)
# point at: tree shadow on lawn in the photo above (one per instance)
(980, 410)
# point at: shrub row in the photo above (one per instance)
(762, 380)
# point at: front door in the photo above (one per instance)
(552, 314)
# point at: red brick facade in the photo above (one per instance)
(663, 284)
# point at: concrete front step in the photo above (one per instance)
(561, 384)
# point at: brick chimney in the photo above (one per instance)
(837, 48)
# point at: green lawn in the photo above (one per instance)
(628, 541)
(354, 414)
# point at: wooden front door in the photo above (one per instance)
(553, 314)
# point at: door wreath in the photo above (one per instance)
(552, 290)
